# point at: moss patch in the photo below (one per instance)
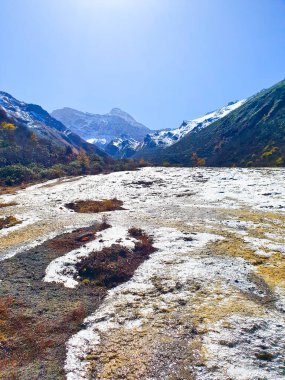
(254, 216)
(234, 246)
(219, 304)
(273, 272)
(166, 348)
(271, 269)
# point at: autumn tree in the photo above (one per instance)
(142, 162)
(84, 161)
(198, 161)
(34, 138)
(8, 126)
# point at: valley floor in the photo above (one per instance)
(209, 304)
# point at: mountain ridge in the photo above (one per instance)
(101, 129)
(124, 147)
(39, 121)
(251, 135)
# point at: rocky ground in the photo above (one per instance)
(208, 304)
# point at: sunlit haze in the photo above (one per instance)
(160, 60)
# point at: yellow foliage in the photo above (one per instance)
(198, 161)
(8, 126)
(279, 161)
(84, 160)
(34, 137)
(270, 151)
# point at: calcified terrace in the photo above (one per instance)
(208, 304)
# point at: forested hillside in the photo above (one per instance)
(252, 135)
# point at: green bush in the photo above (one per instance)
(16, 174)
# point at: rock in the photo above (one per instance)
(85, 237)
(264, 355)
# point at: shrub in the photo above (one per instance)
(8, 221)
(279, 161)
(8, 126)
(16, 174)
(116, 264)
(135, 232)
(198, 161)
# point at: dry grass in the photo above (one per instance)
(271, 268)
(25, 339)
(9, 221)
(35, 325)
(273, 272)
(11, 189)
(2, 205)
(255, 216)
(70, 241)
(234, 246)
(219, 305)
(95, 206)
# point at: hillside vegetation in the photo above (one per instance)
(251, 136)
(27, 156)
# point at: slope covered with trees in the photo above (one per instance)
(252, 135)
(34, 146)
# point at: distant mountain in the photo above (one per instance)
(251, 135)
(101, 129)
(165, 138)
(28, 134)
(162, 139)
(122, 147)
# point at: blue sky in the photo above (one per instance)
(160, 60)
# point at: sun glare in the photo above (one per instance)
(104, 3)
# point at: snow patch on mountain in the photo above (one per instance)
(20, 111)
(38, 120)
(166, 138)
(102, 129)
(94, 141)
(125, 147)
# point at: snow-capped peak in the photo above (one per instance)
(32, 115)
(124, 146)
(166, 138)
